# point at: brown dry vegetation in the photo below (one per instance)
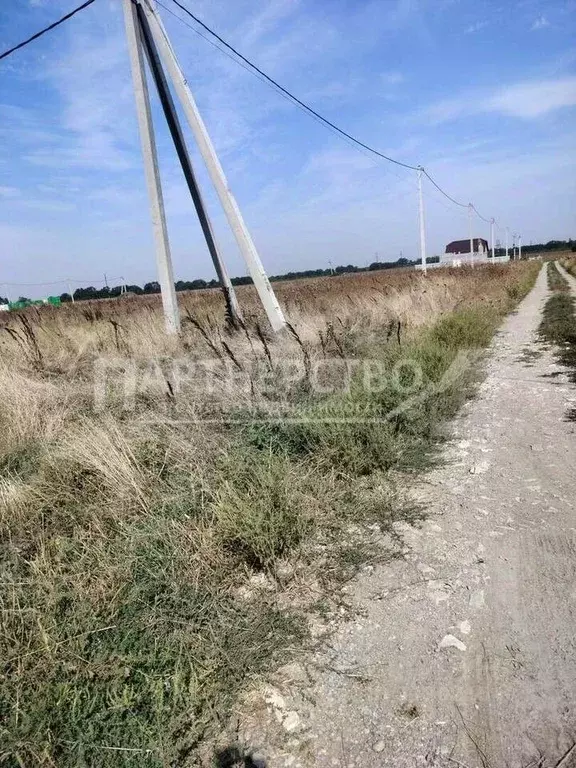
(157, 558)
(569, 263)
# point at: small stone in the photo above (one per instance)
(465, 627)
(317, 628)
(438, 596)
(261, 581)
(480, 468)
(291, 722)
(379, 746)
(433, 527)
(275, 698)
(449, 641)
(293, 672)
(477, 599)
(285, 570)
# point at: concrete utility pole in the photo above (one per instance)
(163, 256)
(519, 247)
(421, 219)
(237, 224)
(71, 293)
(171, 115)
(507, 235)
(470, 234)
(492, 237)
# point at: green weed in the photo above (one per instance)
(558, 324)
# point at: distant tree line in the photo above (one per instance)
(81, 294)
(84, 294)
(551, 245)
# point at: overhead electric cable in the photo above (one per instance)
(63, 280)
(243, 61)
(480, 215)
(239, 58)
(46, 29)
(290, 95)
(253, 72)
(439, 188)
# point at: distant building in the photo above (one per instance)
(458, 247)
(458, 254)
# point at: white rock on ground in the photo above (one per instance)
(449, 641)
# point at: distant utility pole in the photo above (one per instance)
(163, 255)
(331, 267)
(492, 237)
(421, 219)
(470, 234)
(507, 235)
(519, 246)
(105, 280)
(231, 209)
(70, 292)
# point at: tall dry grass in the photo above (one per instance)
(144, 558)
(64, 340)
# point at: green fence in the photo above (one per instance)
(16, 305)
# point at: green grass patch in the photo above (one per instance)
(124, 637)
(392, 415)
(556, 281)
(558, 325)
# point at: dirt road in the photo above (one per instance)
(466, 651)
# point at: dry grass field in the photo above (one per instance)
(569, 263)
(173, 509)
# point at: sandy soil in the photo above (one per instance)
(464, 651)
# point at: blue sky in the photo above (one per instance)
(483, 93)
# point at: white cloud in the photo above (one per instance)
(392, 78)
(476, 27)
(540, 23)
(526, 100)
(9, 192)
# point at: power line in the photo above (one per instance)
(244, 62)
(480, 215)
(439, 188)
(290, 95)
(57, 282)
(262, 76)
(46, 29)
(256, 74)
